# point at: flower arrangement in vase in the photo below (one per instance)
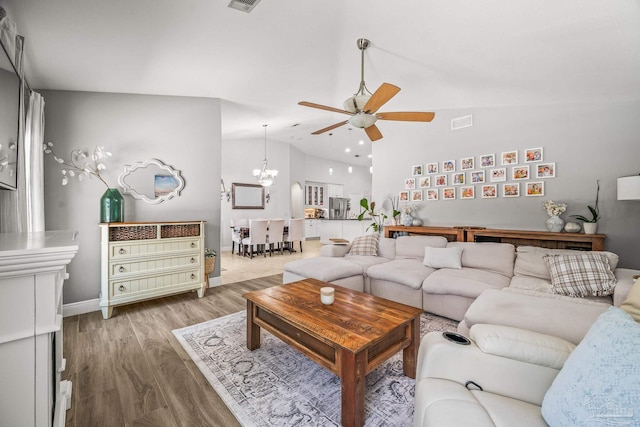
(554, 210)
(82, 166)
(407, 213)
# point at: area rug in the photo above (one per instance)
(276, 385)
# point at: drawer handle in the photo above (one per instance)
(193, 245)
(193, 276)
(121, 288)
(193, 260)
(121, 269)
(121, 251)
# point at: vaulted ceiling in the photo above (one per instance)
(443, 54)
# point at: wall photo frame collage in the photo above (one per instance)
(508, 174)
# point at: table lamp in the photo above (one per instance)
(629, 188)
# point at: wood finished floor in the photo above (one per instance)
(131, 371)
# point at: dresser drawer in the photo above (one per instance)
(142, 249)
(126, 267)
(178, 279)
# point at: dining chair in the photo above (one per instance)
(257, 236)
(235, 234)
(276, 235)
(295, 233)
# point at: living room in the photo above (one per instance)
(157, 81)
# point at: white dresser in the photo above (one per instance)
(32, 271)
(142, 260)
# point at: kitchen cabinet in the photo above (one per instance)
(342, 229)
(311, 228)
(335, 190)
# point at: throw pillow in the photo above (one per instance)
(443, 257)
(365, 245)
(598, 384)
(632, 303)
(580, 275)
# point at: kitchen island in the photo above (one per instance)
(347, 229)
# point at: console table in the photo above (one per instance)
(32, 271)
(545, 239)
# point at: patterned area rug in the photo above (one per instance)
(276, 385)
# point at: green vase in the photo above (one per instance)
(112, 206)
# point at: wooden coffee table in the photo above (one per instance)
(350, 338)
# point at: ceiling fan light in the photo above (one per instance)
(362, 120)
(356, 103)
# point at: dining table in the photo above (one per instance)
(243, 232)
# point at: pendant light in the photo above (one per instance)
(330, 145)
(265, 176)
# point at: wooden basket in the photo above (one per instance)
(209, 265)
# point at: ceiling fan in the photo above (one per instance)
(363, 105)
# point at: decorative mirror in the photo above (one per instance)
(247, 196)
(151, 181)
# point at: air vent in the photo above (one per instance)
(244, 5)
(462, 122)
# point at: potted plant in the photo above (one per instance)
(590, 225)
(209, 261)
(377, 217)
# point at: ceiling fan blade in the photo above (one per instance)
(328, 128)
(385, 92)
(323, 107)
(412, 116)
(373, 133)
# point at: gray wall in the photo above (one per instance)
(179, 131)
(586, 141)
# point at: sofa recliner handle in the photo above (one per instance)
(468, 383)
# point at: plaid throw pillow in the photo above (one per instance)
(580, 275)
(365, 245)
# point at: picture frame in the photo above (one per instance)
(533, 155)
(535, 189)
(545, 170)
(432, 168)
(498, 174)
(448, 193)
(457, 178)
(466, 163)
(509, 158)
(441, 180)
(467, 192)
(409, 183)
(489, 191)
(424, 182)
(432, 195)
(487, 160)
(477, 177)
(520, 172)
(449, 166)
(416, 195)
(511, 190)
(403, 196)
(416, 170)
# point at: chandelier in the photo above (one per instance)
(265, 176)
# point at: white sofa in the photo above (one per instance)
(398, 273)
(514, 377)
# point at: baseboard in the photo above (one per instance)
(88, 306)
(81, 307)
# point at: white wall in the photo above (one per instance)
(587, 142)
(179, 131)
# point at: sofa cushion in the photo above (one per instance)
(407, 272)
(442, 257)
(520, 344)
(632, 304)
(580, 275)
(324, 268)
(413, 246)
(365, 245)
(466, 282)
(496, 257)
(387, 247)
(599, 381)
(529, 260)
